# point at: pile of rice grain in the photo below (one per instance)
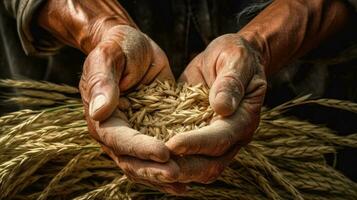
(46, 153)
(163, 109)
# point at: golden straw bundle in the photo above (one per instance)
(46, 153)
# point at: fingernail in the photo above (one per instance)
(98, 102)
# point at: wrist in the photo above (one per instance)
(286, 30)
(82, 26)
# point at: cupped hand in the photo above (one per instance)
(119, 58)
(123, 59)
(231, 68)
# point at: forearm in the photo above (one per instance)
(76, 22)
(288, 29)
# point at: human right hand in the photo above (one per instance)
(120, 57)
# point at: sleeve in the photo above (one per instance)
(33, 39)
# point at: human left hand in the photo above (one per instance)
(283, 31)
(231, 68)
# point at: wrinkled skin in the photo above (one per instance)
(232, 69)
(115, 66)
(234, 66)
(120, 57)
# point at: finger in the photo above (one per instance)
(160, 67)
(99, 83)
(152, 171)
(235, 69)
(171, 188)
(228, 89)
(124, 103)
(192, 73)
(116, 134)
(212, 140)
(166, 74)
(216, 138)
(148, 170)
(138, 53)
(143, 172)
(162, 172)
(203, 169)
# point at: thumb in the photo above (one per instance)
(192, 74)
(100, 81)
(228, 90)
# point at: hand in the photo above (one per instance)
(280, 33)
(105, 74)
(232, 70)
(120, 57)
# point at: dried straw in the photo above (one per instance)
(36, 85)
(47, 153)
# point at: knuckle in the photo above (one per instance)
(232, 84)
(259, 88)
(102, 49)
(134, 44)
(99, 79)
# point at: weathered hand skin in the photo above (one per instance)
(236, 74)
(232, 70)
(120, 57)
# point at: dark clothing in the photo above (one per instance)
(182, 28)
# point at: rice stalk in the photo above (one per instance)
(29, 101)
(69, 168)
(37, 85)
(15, 117)
(48, 154)
(100, 193)
(41, 94)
